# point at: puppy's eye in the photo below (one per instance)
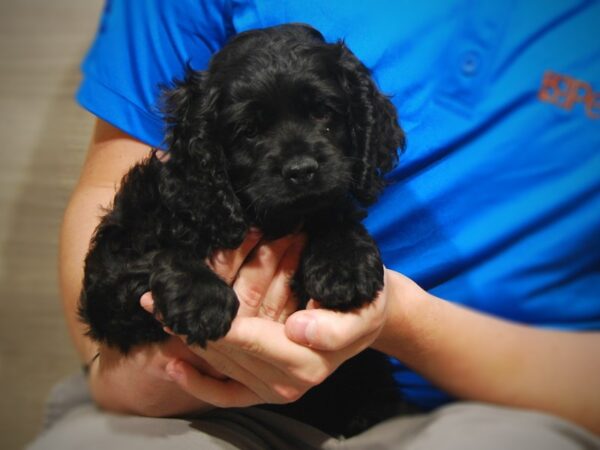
(250, 132)
(321, 113)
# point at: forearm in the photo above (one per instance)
(80, 219)
(109, 157)
(478, 357)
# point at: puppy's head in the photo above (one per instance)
(295, 123)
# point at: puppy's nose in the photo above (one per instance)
(300, 170)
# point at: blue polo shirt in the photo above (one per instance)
(496, 202)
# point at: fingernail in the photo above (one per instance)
(303, 330)
(311, 331)
(147, 302)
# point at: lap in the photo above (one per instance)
(476, 426)
(74, 423)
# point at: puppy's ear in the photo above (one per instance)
(376, 135)
(194, 183)
(189, 108)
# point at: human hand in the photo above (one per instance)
(137, 383)
(260, 273)
(264, 366)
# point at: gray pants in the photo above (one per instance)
(73, 422)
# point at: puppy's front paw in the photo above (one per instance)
(343, 279)
(198, 305)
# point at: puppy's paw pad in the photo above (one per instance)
(344, 285)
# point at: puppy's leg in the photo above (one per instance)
(341, 268)
(110, 299)
(190, 298)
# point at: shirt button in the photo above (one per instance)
(470, 63)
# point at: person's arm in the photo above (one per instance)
(478, 357)
(136, 384)
(469, 354)
(474, 356)
(111, 154)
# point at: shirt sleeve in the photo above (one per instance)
(139, 49)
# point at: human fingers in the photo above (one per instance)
(266, 380)
(220, 393)
(249, 381)
(147, 302)
(276, 374)
(226, 263)
(247, 353)
(257, 272)
(265, 340)
(279, 302)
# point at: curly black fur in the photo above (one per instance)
(282, 131)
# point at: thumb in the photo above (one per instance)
(323, 329)
(301, 327)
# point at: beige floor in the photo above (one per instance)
(44, 137)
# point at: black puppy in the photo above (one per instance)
(283, 131)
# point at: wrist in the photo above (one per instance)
(406, 302)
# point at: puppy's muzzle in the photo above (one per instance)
(300, 170)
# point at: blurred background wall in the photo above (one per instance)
(44, 136)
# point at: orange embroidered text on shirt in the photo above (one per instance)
(565, 91)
